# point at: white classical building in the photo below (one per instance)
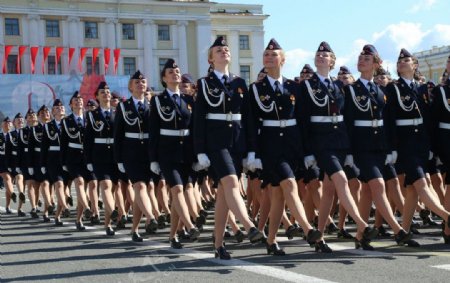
(147, 32)
(432, 62)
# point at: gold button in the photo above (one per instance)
(179, 119)
(375, 132)
(229, 99)
(142, 142)
(181, 142)
(109, 146)
(230, 125)
(332, 101)
(335, 127)
(81, 151)
(281, 134)
(280, 108)
(374, 107)
(108, 129)
(416, 130)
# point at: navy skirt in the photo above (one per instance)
(223, 163)
(176, 174)
(106, 171)
(331, 161)
(371, 165)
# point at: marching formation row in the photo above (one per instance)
(304, 144)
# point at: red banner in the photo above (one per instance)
(33, 53)
(5, 57)
(22, 50)
(71, 52)
(83, 51)
(59, 51)
(45, 54)
(116, 59)
(107, 57)
(94, 57)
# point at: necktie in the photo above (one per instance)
(277, 87)
(141, 108)
(411, 85)
(225, 80)
(175, 99)
(328, 84)
(107, 116)
(79, 122)
(371, 89)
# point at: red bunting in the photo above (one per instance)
(46, 52)
(83, 51)
(116, 59)
(33, 53)
(22, 50)
(95, 51)
(5, 57)
(59, 51)
(107, 56)
(71, 52)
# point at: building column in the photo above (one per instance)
(33, 22)
(257, 48)
(148, 39)
(111, 41)
(74, 35)
(203, 43)
(182, 47)
(233, 43)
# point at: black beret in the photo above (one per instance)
(369, 49)
(43, 107)
(102, 85)
(92, 102)
(381, 72)
(307, 69)
(6, 119)
(57, 102)
(170, 64)
(76, 94)
(324, 47)
(220, 41)
(404, 54)
(30, 112)
(343, 70)
(138, 76)
(273, 45)
(187, 79)
(18, 115)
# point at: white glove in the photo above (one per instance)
(30, 171)
(394, 156)
(257, 164)
(388, 159)
(249, 161)
(154, 166)
(18, 170)
(310, 161)
(203, 160)
(349, 160)
(9, 169)
(197, 167)
(430, 155)
(121, 168)
(90, 167)
(43, 170)
(65, 168)
(438, 161)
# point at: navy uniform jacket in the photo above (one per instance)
(97, 127)
(23, 151)
(166, 114)
(12, 150)
(407, 138)
(364, 106)
(274, 142)
(3, 143)
(50, 137)
(128, 120)
(34, 145)
(71, 133)
(213, 97)
(440, 111)
(320, 102)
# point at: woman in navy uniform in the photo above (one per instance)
(364, 106)
(326, 142)
(219, 136)
(278, 144)
(50, 160)
(98, 151)
(131, 126)
(14, 161)
(409, 126)
(440, 110)
(171, 148)
(71, 139)
(5, 171)
(34, 168)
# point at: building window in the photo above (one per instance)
(90, 30)
(245, 73)
(244, 43)
(128, 31)
(12, 26)
(129, 65)
(163, 32)
(162, 62)
(52, 69)
(52, 28)
(12, 62)
(89, 66)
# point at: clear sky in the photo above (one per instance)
(300, 25)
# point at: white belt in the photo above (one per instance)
(174, 133)
(327, 119)
(368, 123)
(136, 135)
(25, 149)
(54, 148)
(104, 140)
(2, 153)
(409, 122)
(37, 149)
(14, 152)
(443, 125)
(279, 123)
(75, 145)
(223, 117)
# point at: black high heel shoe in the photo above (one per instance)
(370, 233)
(254, 235)
(402, 237)
(222, 253)
(364, 244)
(313, 236)
(136, 237)
(322, 247)
(275, 249)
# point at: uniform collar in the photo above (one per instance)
(220, 75)
(322, 78)
(365, 82)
